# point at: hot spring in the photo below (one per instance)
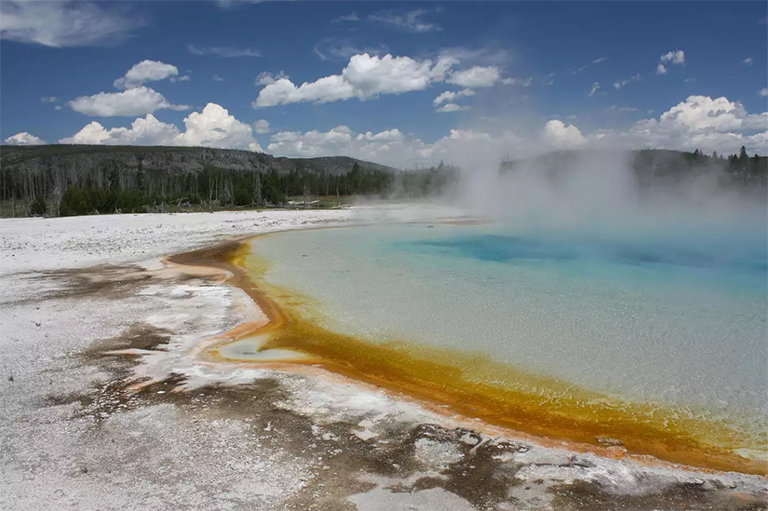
(655, 338)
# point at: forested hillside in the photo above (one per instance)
(75, 179)
(662, 168)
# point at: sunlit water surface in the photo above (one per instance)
(677, 317)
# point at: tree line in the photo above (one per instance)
(78, 180)
(656, 167)
(50, 187)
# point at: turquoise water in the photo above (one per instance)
(677, 317)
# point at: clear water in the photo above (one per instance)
(678, 317)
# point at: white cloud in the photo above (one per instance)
(213, 127)
(223, 51)
(449, 96)
(747, 61)
(525, 82)
(65, 24)
(409, 21)
(57, 107)
(700, 122)
(266, 78)
(451, 107)
(618, 84)
(217, 78)
(138, 101)
(595, 88)
(261, 126)
(49, 99)
(184, 78)
(146, 71)
(24, 138)
(477, 76)
(561, 136)
(676, 58)
(388, 147)
(146, 131)
(392, 147)
(699, 113)
(763, 92)
(364, 77)
(601, 59)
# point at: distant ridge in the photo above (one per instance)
(175, 159)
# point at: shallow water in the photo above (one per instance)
(677, 319)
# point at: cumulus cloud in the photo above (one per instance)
(213, 127)
(217, 78)
(24, 138)
(65, 24)
(451, 107)
(223, 51)
(477, 76)
(676, 58)
(409, 21)
(261, 126)
(146, 71)
(763, 92)
(49, 99)
(618, 84)
(136, 101)
(392, 147)
(595, 88)
(266, 78)
(449, 96)
(699, 122)
(560, 136)
(364, 77)
(146, 131)
(747, 61)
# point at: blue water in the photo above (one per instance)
(738, 254)
(676, 316)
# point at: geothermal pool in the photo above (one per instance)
(642, 334)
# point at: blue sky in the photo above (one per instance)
(528, 76)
